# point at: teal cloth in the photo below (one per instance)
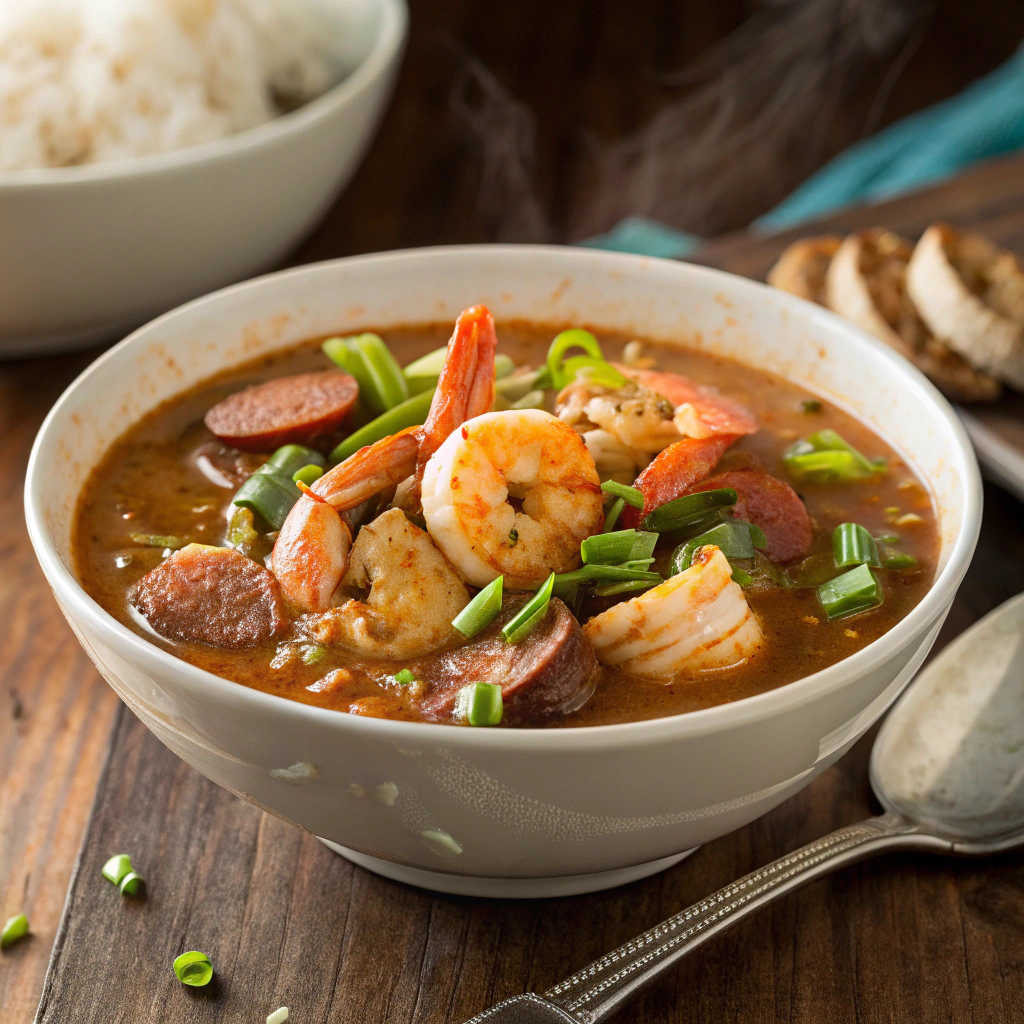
(983, 121)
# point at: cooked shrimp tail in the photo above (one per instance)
(695, 621)
(370, 470)
(466, 386)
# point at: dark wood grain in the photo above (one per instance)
(287, 922)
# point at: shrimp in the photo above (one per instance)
(413, 594)
(533, 459)
(311, 554)
(695, 621)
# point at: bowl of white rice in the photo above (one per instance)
(153, 150)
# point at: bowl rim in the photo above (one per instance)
(392, 28)
(720, 717)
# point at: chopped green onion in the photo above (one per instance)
(615, 548)
(404, 677)
(595, 370)
(241, 528)
(480, 612)
(636, 563)
(688, 509)
(574, 338)
(117, 867)
(898, 560)
(811, 405)
(308, 474)
(853, 545)
(193, 968)
(503, 366)
(291, 457)
(159, 540)
(410, 413)
(613, 514)
(132, 884)
(479, 704)
(757, 535)
(14, 928)
(566, 582)
(888, 538)
(825, 457)
(852, 592)
(423, 374)
(271, 490)
(429, 365)
(630, 495)
(313, 654)
(625, 587)
(741, 576)
(382, 385)
(518, 385)
(531, 400)
(522, 623)
(732, 536)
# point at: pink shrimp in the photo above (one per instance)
(311, 554)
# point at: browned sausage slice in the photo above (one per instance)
(770, 503)
(546, 675)
(212, 596)
(287, 410)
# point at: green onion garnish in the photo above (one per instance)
(116, 868)
(382, 385)
(159, 540)
(271, 490)
(518, 385)
(630, 495)
(432, 364)
(480, 612)
(812, 405)
(615, 548)
(479, 704)
(313, 654)
(613, 514)
(308, 474)
(15, 928)
(625, 587)
(825, 457)
(563, 371)
(522, 623)
(132, 884)
(741, 576)
(193, 968)
(404, 677)
(898, 560)
(531, 400)
(567, 582)
(852, 592)
(734, 537)
(853, 545)
(410, 413)
(688, 509)
(241, 528)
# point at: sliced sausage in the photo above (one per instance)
(212, 596)
(544, 676)
(770, 503)
(300, 409)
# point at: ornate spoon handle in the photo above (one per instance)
(599, 989)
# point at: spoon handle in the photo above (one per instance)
(599, 989)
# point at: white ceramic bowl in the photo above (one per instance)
(91, 251)
(505, 812)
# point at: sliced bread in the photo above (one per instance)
(801, 269)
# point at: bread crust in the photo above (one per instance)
(867, 285)
(971, 294)
(802, 267)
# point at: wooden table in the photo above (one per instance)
(289, 923)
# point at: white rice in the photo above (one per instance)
(85, 81)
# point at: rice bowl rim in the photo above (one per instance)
(393, 19)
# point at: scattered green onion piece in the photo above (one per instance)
(734, 537)
(423, 374)
(825, 457)
(313, 654)
(241, 528)
(888, 538)
(193, 968)
(574, 338)
(625, 587)
(132, 884)
(566, 583)
(757, 536)
(853, 545)
(741, 576)
(613, 514)
(812, 405)
(850, 593)
(382, 385)
(636, 563)
(14, 928)
(531, 400)
(522, 623)
(595, 370)
(404, 677)
(480, 612)
(544, 380)
(688, 509)
(630, 495)
(292, 457)
(479, 704)
(617, 547)
(159, 540)
(429, 365)
(898, 560)
(518, 385)
(117, 867)
(503, 366)
(270, 494)
(411, 413)
(308, 474)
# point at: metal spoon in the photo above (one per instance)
(947, 766)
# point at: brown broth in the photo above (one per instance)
(148, 483)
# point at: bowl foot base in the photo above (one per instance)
(506, 888)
